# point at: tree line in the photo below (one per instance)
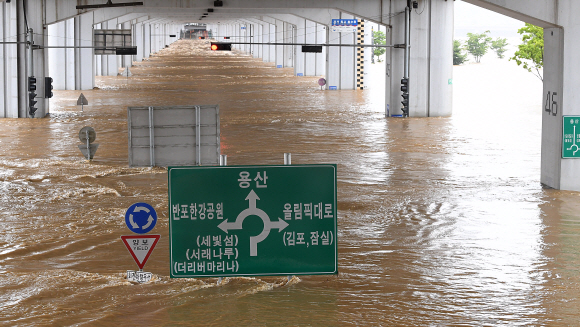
(477, 44)
(530, 53)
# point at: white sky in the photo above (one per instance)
(473, 19)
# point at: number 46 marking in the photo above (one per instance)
(553, 107)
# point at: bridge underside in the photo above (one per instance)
(63, 37)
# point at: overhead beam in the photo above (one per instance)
(543, 13)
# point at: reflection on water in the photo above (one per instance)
(442, 221)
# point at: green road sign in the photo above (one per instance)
(570, 136)
(252, 220)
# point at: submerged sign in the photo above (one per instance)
(252, 220)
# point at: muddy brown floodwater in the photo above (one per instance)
(442, 221)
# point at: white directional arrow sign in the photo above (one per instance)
(254, 211)
(141, 218)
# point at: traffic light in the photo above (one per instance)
(31, 83)
(405, 95)
(48, 87)
(31, 95)
(405, 85)
(31, 102)
(221, 46)
(405, 101)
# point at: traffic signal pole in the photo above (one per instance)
(407, 56)
(30, 73)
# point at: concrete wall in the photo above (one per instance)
(8, 62)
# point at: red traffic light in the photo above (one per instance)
(221, 46)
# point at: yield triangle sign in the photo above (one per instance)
(82, 100)
(140, 247)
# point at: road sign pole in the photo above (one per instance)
(288, 161)
(88, 145)
(223, 162)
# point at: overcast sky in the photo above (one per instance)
(473, 19)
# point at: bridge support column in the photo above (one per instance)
(341, 71)
(84, 57)
(269, 36)
(430, 75)
(8, 61)
(61, 61)
(127, 60)
(109, 66)
(138, 39)
(35, 18)
(314, 63)
(146, 40)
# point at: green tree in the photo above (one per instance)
(530, 53)
(478, 44)
(379, 38)
(458, 56)
(499, 46)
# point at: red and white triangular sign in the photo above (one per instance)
(140, 247)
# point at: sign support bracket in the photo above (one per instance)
(288, 161)
(198, 135)
(151, 138)
(223, 162)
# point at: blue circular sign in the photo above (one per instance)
(141, 218)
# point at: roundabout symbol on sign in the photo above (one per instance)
(253, 210)
(140, 218)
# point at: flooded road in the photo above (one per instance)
(442, 221)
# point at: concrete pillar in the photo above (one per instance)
(279, 49)
(61, 61)
(138, 41)
(57, 56)
(98, 60)
(8, 61)
(333, 70)
(268, 37)
(299, 56)
(289, 33)
(112, 60)
(430, 75)
(146, 40)
(321, 37)
(22, 62)
(127, 60)
(388, 66)
(552, 163)
(235, 28)
(83, 57)
(153, 38)
(70, 53)
(309, 58)
(256, 34)
(108, 63)
(347, 59)
(35, 18)
(258, 38)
